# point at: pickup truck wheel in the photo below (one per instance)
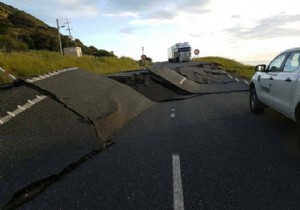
(256, 106)
(298, 129)
(298, 133)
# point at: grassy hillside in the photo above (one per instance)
(20, 31)
(34, 63)
(230, 65)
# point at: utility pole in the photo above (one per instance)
(59, 39)
(69, 29)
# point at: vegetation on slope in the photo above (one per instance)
(20, 31)
(32, 63)
(29, 47)
(230, 65)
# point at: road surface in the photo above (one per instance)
(205, 152)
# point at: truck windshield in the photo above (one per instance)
(184, 49)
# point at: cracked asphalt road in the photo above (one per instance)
(230, 159)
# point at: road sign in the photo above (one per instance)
(196, 51)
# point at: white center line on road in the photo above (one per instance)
(173, 115)
(182, 81)
(177, 185)
(237, 79)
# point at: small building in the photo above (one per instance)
(73, 51)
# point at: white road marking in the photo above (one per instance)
(229, 76)
(177, 185)
(31, 102)
(10, 75)
(247, 82)
(50, 74)
(11, 114)
(21, 109)
(173, 115)
(182, 81)
(223, 71)
(237, 79)
(40, 97)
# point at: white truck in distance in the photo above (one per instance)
(278, 86)
(180, 52)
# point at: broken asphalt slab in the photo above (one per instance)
(171, 76)
(82, 112)
(173, 81)
(105, 102)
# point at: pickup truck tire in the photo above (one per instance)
(298, 133)
(256, 106)
(298, 126)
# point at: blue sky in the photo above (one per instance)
(238, 29)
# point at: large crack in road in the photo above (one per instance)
(109, 105)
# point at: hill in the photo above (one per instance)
(20, 31)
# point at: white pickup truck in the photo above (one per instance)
(278, 85)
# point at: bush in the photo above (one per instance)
(8, 44)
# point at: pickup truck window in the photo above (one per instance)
(292, 63)
(276, 64)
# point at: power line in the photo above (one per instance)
(68, 28)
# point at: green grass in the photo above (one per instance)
(230, 65)
(33, 63)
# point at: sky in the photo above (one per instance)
(244, 30)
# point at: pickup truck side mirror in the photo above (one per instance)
(261, 67)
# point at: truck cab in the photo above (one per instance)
(180, 52)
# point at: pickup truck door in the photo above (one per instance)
(264, 91)
(284, 83)
(266, 79)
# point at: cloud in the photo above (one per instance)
(161, 15)
(75, 8)
(124, 14)
(128, 30)
(155, 9)
(235, 16)
(135, 5)
(273, 27)
(196, 35)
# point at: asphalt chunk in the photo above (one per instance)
(182, 82)
(107, 103)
